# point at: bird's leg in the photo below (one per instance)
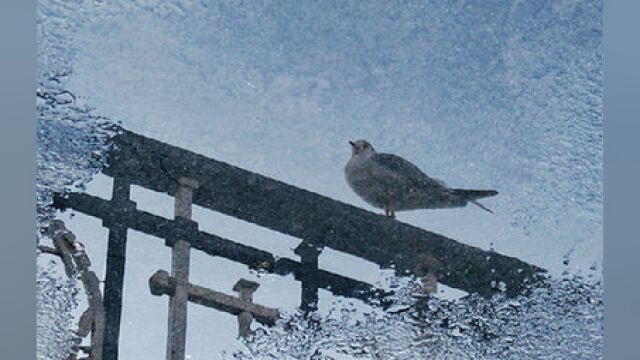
(388, 211)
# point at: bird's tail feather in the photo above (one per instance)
(481, 206)
(473, 195)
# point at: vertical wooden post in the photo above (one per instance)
(177, 329)
(114, 277)
(427, 268)
(245, 288)
(308, 253)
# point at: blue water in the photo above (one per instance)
(497, 94)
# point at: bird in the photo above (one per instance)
(389, 182)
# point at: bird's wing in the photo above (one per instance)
(406, 169)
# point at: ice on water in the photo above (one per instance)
(506, 95)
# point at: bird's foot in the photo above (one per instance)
(389, 213)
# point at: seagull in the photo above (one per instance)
(389, 182)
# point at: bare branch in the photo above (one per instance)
(48, 250)
(75, 260)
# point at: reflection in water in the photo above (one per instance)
(562, 320)
(389, 182)
(56, 299)
(515, 104)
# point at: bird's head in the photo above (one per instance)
(361, 147)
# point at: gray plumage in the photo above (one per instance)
(392, 183)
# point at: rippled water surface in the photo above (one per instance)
(497, 94)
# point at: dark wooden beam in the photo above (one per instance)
(218, 246)
(306, 215)
(309, 254)
(114, 277)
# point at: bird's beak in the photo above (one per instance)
(352, 143)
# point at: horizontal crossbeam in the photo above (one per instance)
(306, 215)
(218, 246)
(161, 283)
